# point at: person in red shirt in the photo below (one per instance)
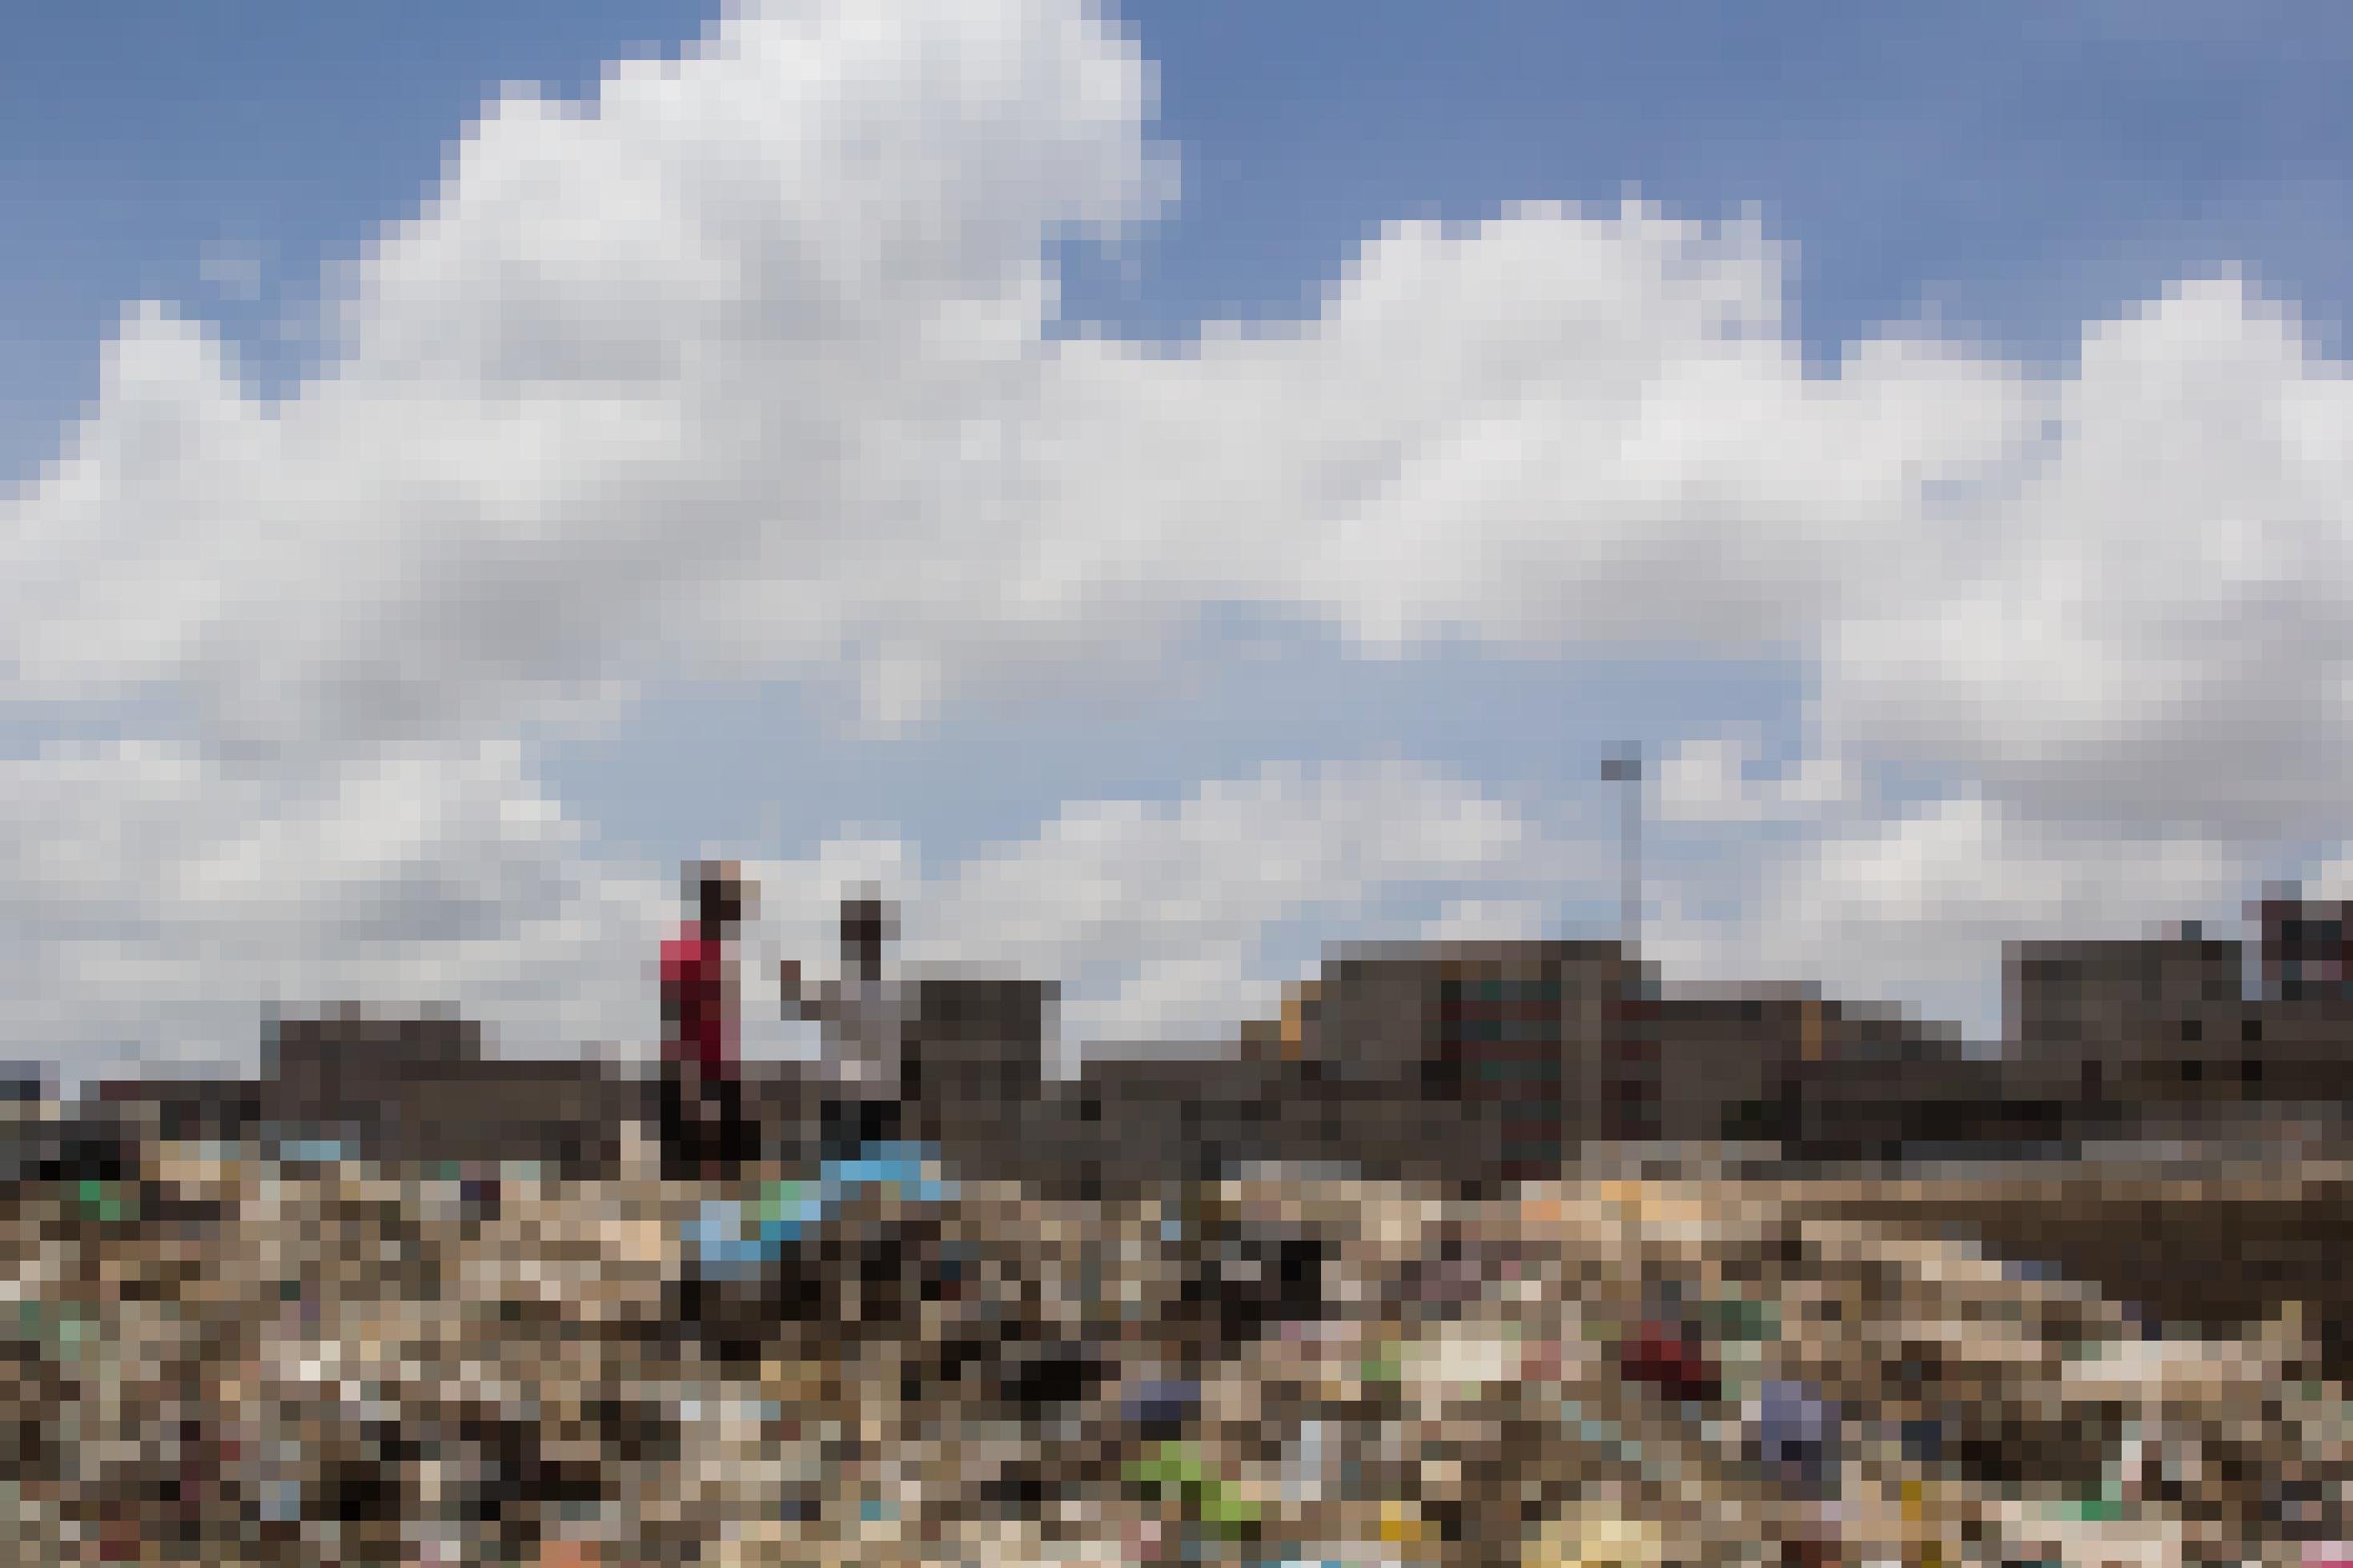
(704, 1130)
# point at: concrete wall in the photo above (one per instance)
(421, 1091)
(975, 1067)
(1915, 1099)
(1728, 1065)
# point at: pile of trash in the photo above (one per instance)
(228, 1359)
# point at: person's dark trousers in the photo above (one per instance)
(847, 1126)
(704, 1130)
(681, 1156)
(747, 1137)
(734, 1138)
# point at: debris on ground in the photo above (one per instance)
(227, 1358)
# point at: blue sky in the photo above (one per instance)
(2022, 167)
(2008, 172)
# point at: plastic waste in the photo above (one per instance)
(1176, 1470)
(1672, 1363)
(1794, 1433)
(731, 1237)
(1163, 1409)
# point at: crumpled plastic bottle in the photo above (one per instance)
(1794, 1433)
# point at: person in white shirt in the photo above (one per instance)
(864, 1017)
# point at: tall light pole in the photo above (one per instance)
(1627, 769)
(1628, 1088)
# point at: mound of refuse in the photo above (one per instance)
(226, 1359)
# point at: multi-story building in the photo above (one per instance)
(2156, 1036)
(1517, 1036)
(2085, 1016)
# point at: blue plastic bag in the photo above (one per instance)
(729, 1237)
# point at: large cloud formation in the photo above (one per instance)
(741, 368)
(1161, 919)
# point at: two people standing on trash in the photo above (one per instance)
(705, 1129)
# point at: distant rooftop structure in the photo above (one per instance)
(23, 1082)
(2307, 950)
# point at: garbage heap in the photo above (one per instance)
(227, 1360)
